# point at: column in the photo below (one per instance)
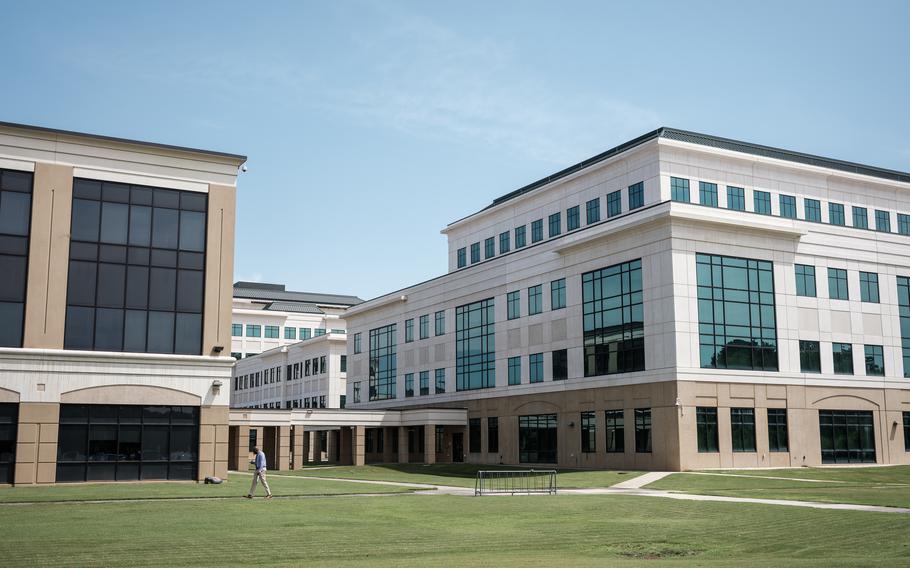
(402, 444)
(36, 443)
(331, 440)
(213, 442)
(429, 444)
(240, 444)
(358, 445)
(297, 447)
(282, 459)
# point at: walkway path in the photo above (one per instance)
(642, 480)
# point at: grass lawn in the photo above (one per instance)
(236, 486)
(458, 475)
(448, 531)
(887, 486)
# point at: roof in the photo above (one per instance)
(272, 293)
(714, 142)
(297, 307)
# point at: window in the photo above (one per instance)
(473, 436)
(356, 392)
(513, 304)
(836, 214)
(860, 218)
(253, 330)
(788, 206)
(810, 359)
(906, 431)
(903, 301)
(424, 383)
(409, 330)
(383, 363)
(344, 364)
(736, 313)
(537, 231)
(742, 429)
(489, 248)
(514, 370)
(475, 252)
(535, 300)
(136, 274)
(736, 198)
(493, 434)
(560, 362)
(475, 350)
(558, 294)
(805, 280)
(236, 330)
(290, 333)
(616, 431)
(15, 226)
(837, 284)
(588, 433)
(537, 438)
(813, 210)
(504, 242)
(535, 366)
(843, 358)
(440, 323)
(875, 361)
(322, 366)
(868, 287)
(592, 211)
(408, 385)
(440, 381)
(903, 224)
(706, 426)
(679, 189)
(847, 436)
(707, 193)
(271, 332)
(573, 218)
(555, 224)
(613, 321)
(882, 221)
(636, 195)
(237, 356)
(778, 439)
(462, 257)
(305, 334)
(424, 326)
(614, 204)
(520, 238)
(643, 430)
(762, 201)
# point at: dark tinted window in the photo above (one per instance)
(15, 221)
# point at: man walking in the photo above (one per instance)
(259, 475)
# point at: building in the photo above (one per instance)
(266, 316)
(680, 301)
(115, 306)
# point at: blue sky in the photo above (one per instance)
(371, 125)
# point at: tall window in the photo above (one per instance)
(860, 217)
(513, 304)
(357, 347)
(473, 436)
(236, 330)
(613, 322)
(440, 322)
(762, 202)
(408, 385)
(836, 214)
(588, 432)
(520, 237)
(137, 269)
(514, 370)
(616, 431)
(424, 326)
(614, 204)
(424, 383)
(15, 224)
(903, 224)
(736, 198)
(537, 438)
(810, 359)
(837, 284)
(788, 206)
(805, 280)
(875, 361)
(707, 193)
(903, 301)
(440, 381)
(643, 430)
(573, 218)
(813, 210)
(560, 361)
(742, 429)
(290, 333)
(409, 330)
(343, 367)
(636, 195)
(868, 287)
(356, 392)
(462, 257)
(504, 242)
(475, 349)
(706, 427)
(843, 358)
(736, 313)
(475, 252)
(679, 189)
(493, 434)
(535, 367)
(537, 231)
(305, 334)
(535, 299)
(906, 431)
(882, 221)
(555, 224)
(778, 438)
(489, 248)
(383, 363)
(558, 294)
(592, 211)
(847, 436)
(271, 332)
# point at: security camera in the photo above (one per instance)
(243, 168)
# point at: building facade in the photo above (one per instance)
(115, 306)
(681, 301)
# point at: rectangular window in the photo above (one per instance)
(558, 294)
(636, 195)
(813, 210)
(535, 367)
(305, 334)
(505, 242)
(408, 385)
(473, 435)
(15, 228)
(588, 432)
(409, 330)
(440, 323)
(475, 348)
(592, 211)
(847, 436)
(383, 362)
(906, 431)
(514, 370)
(643, 430)
(788, 206)
(535, 299)
(253, 330)
(736, 198)
(236, 330)
(875, 361)
(513, 304)
(489, 248)
(425, 326)
(537, 438)
(357, 343)
(837, 284)
(555, 224)
(271, 332)
(424, 383)
(903, 224)
(462, 257)
(679, 189)
(882, 221)
(836, 214)
(616, 431)
(343, 364)
(868, 287)
(736, 313)
(843, 358)
(778, 438)
(860, 217)
(706, 426)
(573, 218)
(290, 333)
(707, 193)
(810, 358)
(613, 322)
(475, 252)
(440, 381)
(319, 331)
(614, 204)
(537, 231)
(903, 302)
(762, 202)
(805, 280)
(493, 434)
(356, 392)
(742, 429)
(520, 237)
(560, 362)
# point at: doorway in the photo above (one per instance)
(458, 447)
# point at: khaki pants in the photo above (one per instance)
(260, 476)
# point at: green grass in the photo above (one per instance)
(885, 486)
(236, 486)
(448, 531)
(458, 475)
